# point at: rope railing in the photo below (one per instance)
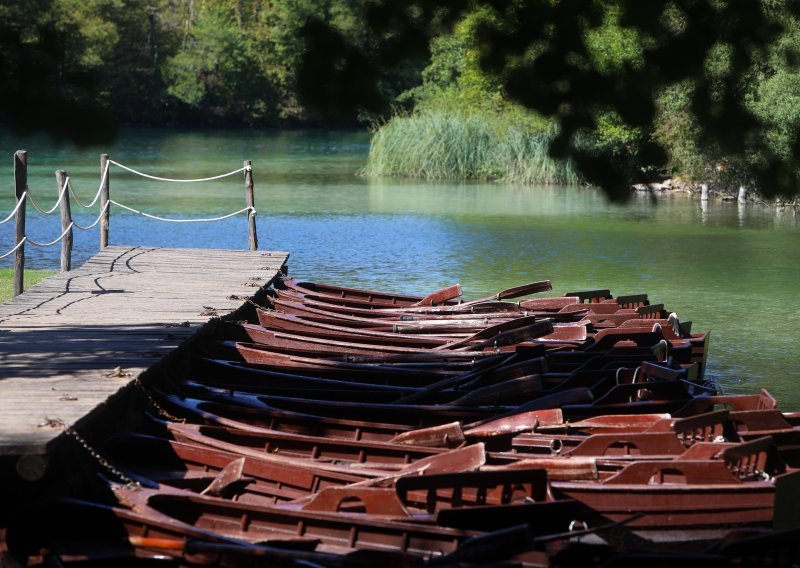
(13, 250)
(138, 173)
(20, 202)
(54, 207)
(168, 220)
(66, 187)
(96, 221)
(103, 180)
(65, 190)
(51, 243)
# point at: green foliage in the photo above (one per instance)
(611, 46)
(191, 62)
(218, 68)
(776, 100)
(679, 133)
(91, 35)
(465, 126)
(454, 80)
(767, 88)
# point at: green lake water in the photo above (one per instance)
(732, 270)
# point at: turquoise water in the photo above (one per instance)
(734, 271)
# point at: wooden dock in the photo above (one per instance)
(74, 340)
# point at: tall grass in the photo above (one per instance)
(439, 145)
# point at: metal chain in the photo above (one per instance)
(92, 452)
(163, 413)
(258, 306)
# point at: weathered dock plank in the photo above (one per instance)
(125, 307)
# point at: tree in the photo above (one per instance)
(218, 69)
(545, 51)
(43, 85)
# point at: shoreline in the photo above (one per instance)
(674, 186)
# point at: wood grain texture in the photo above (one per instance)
(125, 307)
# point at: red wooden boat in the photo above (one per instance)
(693, 499)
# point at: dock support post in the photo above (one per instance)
(251, 202)
(66, 219)
(104, 197)
(20, 186)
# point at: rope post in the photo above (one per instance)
(742, 198)
(251, 202)
(104, 197)
(66, 219)
(20, 185)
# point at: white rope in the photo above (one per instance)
(12, 251)
(14, 212)
(60, 197)
(96, 221)
(51, 243)
(96, 195)
(208, 220)
(245, 168)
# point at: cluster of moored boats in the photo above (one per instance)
(349, 427)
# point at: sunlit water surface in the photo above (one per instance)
(732, 270)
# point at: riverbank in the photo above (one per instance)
(677, 185)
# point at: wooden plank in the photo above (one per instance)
(126, 306)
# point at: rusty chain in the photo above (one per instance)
(71, 432)
(161, 411)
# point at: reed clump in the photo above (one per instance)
(437, 145)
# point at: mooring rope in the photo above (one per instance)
(243, 169)
(14, 212)
(206, 220)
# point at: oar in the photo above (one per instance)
(516, 292)
(440, 296)
(512, 337)
(488, 332)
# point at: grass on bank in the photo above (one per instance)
(31, 277)
(437, 145)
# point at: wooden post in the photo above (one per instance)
(20, 185)
(66, 219)
(104, 197)
(251, 202)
